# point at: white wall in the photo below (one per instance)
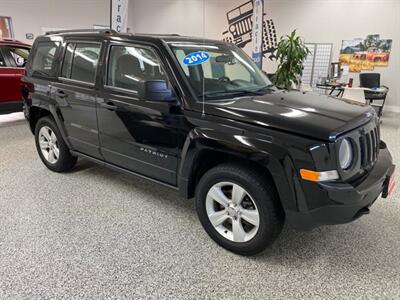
(316, 20)
(30, 16)
(328, 21)
(180, 16)
(332, 21)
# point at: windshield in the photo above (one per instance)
(228, 72)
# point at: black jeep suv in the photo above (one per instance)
(200, 117)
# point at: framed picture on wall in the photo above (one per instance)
(6, 28)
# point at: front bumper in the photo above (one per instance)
(347, 202)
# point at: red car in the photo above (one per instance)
(372, 54)
(13, 56)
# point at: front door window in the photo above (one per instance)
(138, 70)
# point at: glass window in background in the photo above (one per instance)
(20, 55)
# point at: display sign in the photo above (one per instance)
(119, 15)
(241, 27)
(6, 28)
(257, 32)
(196, 58)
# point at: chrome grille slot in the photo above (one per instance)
(363, 153)
(369, 147)
(377, 139)
(373, 138)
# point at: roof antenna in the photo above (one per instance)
(204, 49)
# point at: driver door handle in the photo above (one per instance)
(61, 94)
(109, 106)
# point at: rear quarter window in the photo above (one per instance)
(44, 59)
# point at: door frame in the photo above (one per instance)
(140, 44)
(9, 57)
(73, 83)
(140, 102)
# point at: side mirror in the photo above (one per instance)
(226, 59)
(157, 90)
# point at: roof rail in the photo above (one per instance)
(106, 31)
(158, 34)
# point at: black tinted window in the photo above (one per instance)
(67, 63)
(44, 58)
(131, 67)
(84, 62)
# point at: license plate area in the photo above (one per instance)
(389, 185)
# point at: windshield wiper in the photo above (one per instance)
(269, 87)
(229, 93)
(258, 92)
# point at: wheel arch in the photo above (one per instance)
(35, 114)
(38, 112)
(201, 154)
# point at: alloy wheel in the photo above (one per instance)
(49, 145)
(232, 212)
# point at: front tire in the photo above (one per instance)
(239, 208)
(51, 147)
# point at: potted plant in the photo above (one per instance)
(290, 53)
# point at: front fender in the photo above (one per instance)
(259, 149)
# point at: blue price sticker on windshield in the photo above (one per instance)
(196, 58)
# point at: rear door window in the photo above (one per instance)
(84, 62)
(43, 61)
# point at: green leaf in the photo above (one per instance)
(290, 54)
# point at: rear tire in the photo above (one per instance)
(51, 147)
(236, 225)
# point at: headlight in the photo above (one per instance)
(345, 154)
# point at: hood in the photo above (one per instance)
(307, 114)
